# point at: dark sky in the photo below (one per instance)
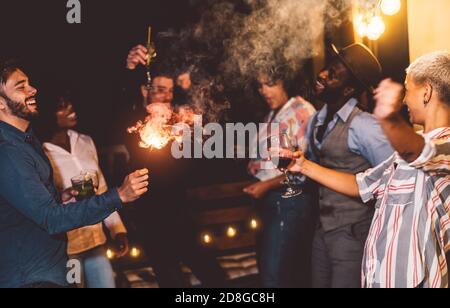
(88, 57)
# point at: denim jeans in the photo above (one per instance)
(97, 270)
(285, 242)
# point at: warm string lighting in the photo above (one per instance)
(390, 7)
(254, 225)
(207, 238)
(134, 253)
(231, 232)
(369, 22)
(110, 254)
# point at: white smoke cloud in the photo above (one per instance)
(286, 32)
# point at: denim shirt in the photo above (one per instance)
(33, 222)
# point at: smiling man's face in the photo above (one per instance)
(18, 97)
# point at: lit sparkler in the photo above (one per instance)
(156, 131)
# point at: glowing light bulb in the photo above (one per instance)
(110, 254)
(207, 239)
(231, 232)
(254, 224)
(361, 26)
(391, 7)
(135, 253)
(376, 28)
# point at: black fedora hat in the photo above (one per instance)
(362, 64)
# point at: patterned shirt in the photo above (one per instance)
(410, 232)
(293, 117)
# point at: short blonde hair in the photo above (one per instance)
(433, 68)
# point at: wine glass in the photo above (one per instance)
(285, 142)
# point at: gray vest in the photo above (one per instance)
(337, 210)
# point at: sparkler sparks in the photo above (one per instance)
(152, 136)
(156, 131)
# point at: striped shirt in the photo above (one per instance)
(435, 157)
(410, 230)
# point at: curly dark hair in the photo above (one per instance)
(7, 68)
(295, 83)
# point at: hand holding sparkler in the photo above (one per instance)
(142, 55)
(137, 55)
(134, 186)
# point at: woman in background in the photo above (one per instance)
(288, 224)
(71, 154)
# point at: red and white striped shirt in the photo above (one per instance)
(410, 232)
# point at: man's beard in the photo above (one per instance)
(329, 96)
(21, 110)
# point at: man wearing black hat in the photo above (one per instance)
(344, 138)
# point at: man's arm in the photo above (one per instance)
(22, 188)
(389, 98)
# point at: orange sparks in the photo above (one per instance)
(152, 136)
(156, 132)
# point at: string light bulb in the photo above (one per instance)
(231, 232)
(110, 254)
(361, 26)
(254, 224)
(391, 7)
(135, 253)
(375, 28)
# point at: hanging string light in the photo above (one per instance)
(390, 7)
(368, 22)
(376, 28)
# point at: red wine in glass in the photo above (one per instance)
(282, 163)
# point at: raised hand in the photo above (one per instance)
(389, 98)
(134, 186)
(137, 55)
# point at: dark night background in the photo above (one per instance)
(89, 58)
